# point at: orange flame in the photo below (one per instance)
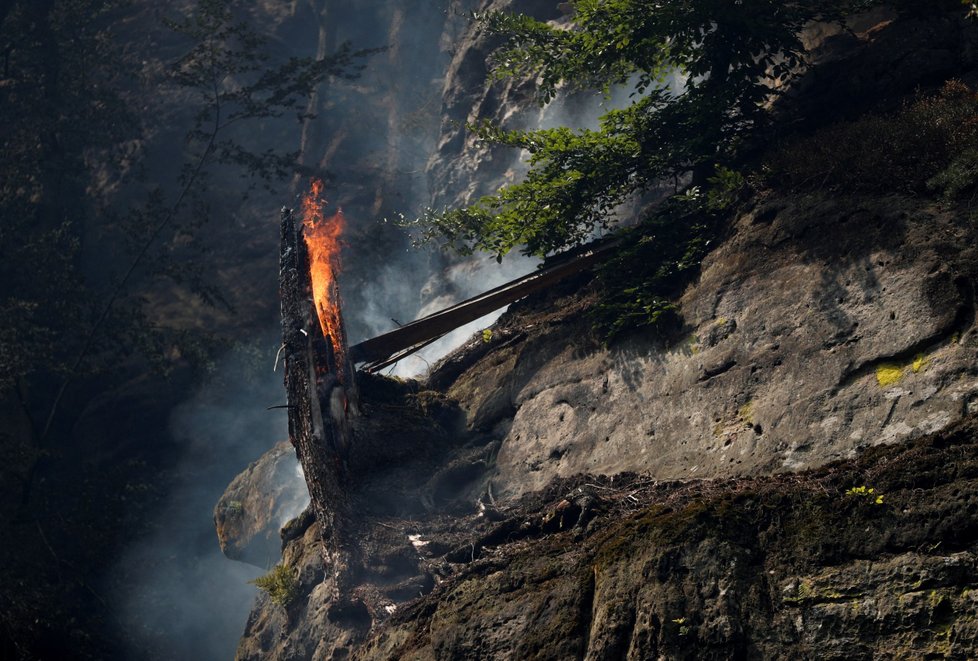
(322, 237)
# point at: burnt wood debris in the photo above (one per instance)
(321, 382)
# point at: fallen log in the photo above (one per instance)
(380, 351)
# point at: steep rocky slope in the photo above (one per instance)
(795, 352)
(790, 474)
(782, 567)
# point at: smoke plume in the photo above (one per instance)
(176, 596)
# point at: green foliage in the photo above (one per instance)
(639, 285)
(725, 188)
(682, 628)
(280, 585)
(867, 494)
(234, 508)
(732, 58)
(928, 146)
(487, 335)
(576, 179)
(713, 42)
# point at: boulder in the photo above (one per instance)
(256, 505)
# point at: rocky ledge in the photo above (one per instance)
(869, 558)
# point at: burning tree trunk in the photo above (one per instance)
(317, 378)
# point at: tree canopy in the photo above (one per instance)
(730, 58)
(73, 151)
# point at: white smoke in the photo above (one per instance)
(174, 593)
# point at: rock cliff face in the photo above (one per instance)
(257, 504)
(793, 474)
(796, 352)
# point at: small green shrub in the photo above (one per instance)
(865, 493)
(280, 584)
(928, 146)
(682, 629)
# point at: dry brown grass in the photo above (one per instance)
(930, 146)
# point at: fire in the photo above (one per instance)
(322, 237)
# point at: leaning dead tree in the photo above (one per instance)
(384, 350)
(320, 391)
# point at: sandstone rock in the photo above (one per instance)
(822, 329)
(462, 167)
(799, 351)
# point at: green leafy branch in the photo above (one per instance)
(732, 59)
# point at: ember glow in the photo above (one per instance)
(322, 237)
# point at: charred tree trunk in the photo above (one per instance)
(312, 381)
